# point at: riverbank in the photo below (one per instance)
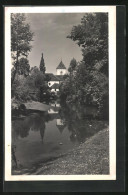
(91, 157)
(20, 110)
(36, 106)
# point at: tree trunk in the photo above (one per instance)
(17, 55)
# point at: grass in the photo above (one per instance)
(90, 158)
(37, 106)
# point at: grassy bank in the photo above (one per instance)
(91, 157)
(30, 105)
(37, 106)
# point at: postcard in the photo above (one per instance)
(60, 93)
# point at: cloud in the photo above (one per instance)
(54, 20)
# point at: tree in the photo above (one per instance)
(21, 37)
(36, 79)
(34, 70)
(65, 88)
(24, 87)
(39, 80)
(42, 65)
(24, 67)
(89, 84)
(72, 66)
(92, 36)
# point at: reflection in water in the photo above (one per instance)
(60, 123)
(79, 123)
(37, 137)
(55, 104)
(55, 107)
(53, 110)
(14, 157)
(22, 127)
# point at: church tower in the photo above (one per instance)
(61, 69)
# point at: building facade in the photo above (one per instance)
(61, 69)
(55, 80)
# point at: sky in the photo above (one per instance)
(50, 39)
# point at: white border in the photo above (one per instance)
(112, 90)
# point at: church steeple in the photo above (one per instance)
(61, 65)
(61, 68)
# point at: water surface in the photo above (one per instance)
(41, 137)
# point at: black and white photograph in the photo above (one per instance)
(60, 93)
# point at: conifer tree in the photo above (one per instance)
(42, 65)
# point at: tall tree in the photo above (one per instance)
(92, 36)
(90, 83)
(72, 66)
(71, 70)
(42, 64)
(21, 37)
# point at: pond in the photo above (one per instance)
(43, 136)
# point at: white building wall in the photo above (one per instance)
(59, 122)
(55, 104)
(50, 83)
(51, 111)
(61, 71)
(53, 90)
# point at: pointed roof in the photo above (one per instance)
(61, 127)
(60, 77)
(52, 77)
(61, 65)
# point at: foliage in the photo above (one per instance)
(21, 37)
(33, 87)
(72, 65)
(39, 79)
(28, 88)
(89, 84)
(20, 89)
(65, 88)
(34, 70)
(23, 67)
(92, 36)
(42, 65)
